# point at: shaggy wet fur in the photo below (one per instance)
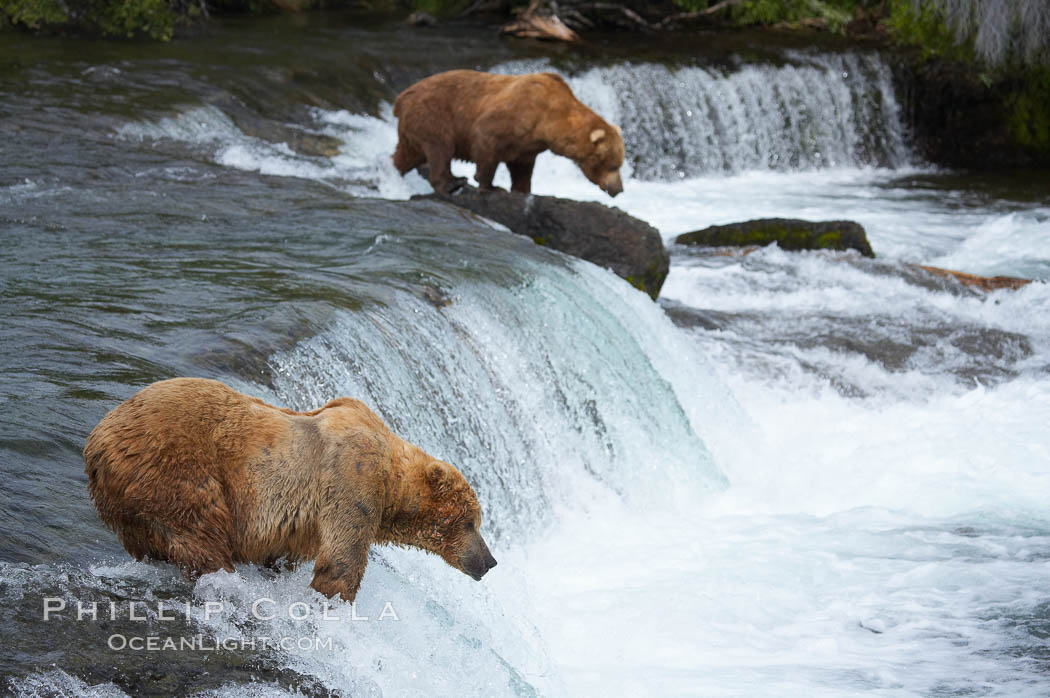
(193, 472)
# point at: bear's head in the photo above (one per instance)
(604, 157)
(450, 520)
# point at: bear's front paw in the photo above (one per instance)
(330, 586)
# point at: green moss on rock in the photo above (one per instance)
(788, 233)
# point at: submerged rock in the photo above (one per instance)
(272, 130)
(788, 233)
(606, 236)
(982, 283)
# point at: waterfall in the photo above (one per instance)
(812, 112)
(545, 393)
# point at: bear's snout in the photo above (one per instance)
(612, 185)
(477, 560)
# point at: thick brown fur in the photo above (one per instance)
(488, 119)
(193, 472)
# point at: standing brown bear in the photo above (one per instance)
(489, 119)
(193, 472)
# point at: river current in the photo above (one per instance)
(794, 474)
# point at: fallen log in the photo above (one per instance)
(984, 283)
(538, 23)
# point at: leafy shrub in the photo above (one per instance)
(997, 33)
(923, 25)
(1028, 109)
(153, 18)
(34, 13)
(835, 12)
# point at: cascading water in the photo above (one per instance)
(540, 392)
(812, 112)
(826, 480)
(554, 396)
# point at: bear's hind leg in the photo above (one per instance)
(457, 182)
(195, 557)
(439, 162)
(198, 538)
(485, 173)
(407, 158)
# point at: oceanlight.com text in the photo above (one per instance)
(202, 643)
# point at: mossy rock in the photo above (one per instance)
(789, 233)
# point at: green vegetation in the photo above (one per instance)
(156, 19)
(1001, 34)
(33, 13)
(1028, 110)
(440, 8)
(835, 13)
(923, 25)
(1007, 45)
(998, 35)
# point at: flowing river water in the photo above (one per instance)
(795, 474)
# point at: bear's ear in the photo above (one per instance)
(618, 131)
(435, 474)
(597, 134)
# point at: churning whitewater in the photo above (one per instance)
(798, 474)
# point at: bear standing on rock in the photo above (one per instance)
(488, 119)
(193, 472)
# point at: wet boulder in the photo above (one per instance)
(789, 233)
(606, 236)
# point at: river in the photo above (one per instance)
(794, 474)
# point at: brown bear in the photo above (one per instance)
(191, 471)
(488, 119)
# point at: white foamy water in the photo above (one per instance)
(362, 167)
(831, 481)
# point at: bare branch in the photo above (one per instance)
(687, 16)
(616, 7)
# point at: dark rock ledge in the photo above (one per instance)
(606, 236)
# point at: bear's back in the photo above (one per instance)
(184, 430)
(188, 415)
